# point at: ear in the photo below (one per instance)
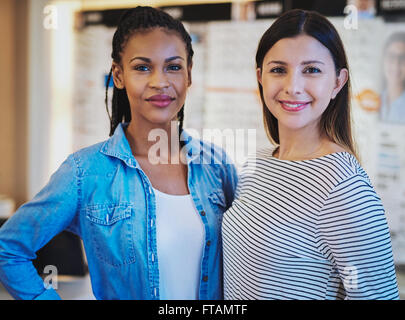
(118, 77)
(340, 81)
(259, 75)
(189, 68)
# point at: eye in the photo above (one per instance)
(312, 70)
(174, 67)
(141, 68)
(277, 70)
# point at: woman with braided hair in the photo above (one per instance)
(149, 221)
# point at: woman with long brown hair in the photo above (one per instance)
(306, 222)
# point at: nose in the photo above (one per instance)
(158, 80)
(293, 83)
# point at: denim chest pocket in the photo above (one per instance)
(111, 230)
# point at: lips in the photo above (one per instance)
(294, 106)
(160, 100)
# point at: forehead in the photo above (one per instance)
(397, 47)
(298, 49)
(156, 42)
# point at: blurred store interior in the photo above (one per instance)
(55, 56)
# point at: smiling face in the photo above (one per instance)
(155, 74)
(299, 79)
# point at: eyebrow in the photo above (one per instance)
(303, 63)
(149, 60)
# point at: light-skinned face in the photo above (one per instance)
(155, 74)
(394, 64)
(299, 79)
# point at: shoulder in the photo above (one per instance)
(258, 163)
(90, 158)
(347, 166)
(205, 152)
(262, 154)
(90, 152)
(354, 189)
(211, 160)
(396, 107)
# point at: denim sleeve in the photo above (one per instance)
(31, 227)
(231, 181)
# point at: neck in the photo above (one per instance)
(302, 144)
(394, 91)
(153, 140)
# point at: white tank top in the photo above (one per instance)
(180, 241)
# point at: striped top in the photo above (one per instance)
(311, 229)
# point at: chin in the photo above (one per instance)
(160, 121)
(293, 125)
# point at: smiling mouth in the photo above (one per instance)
(294, 105)
(160, 100)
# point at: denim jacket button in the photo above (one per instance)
(205, 278)
(202, 213)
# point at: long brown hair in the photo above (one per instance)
(335, 122)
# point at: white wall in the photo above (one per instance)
(50, 88)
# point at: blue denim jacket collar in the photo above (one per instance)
(118, 146)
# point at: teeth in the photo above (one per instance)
(293, 105)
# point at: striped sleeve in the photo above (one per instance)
(354, 236)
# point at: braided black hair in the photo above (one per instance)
(133, 20)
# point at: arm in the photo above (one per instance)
(230, 179)
(31, 227)
(231, 183)
(354, 235)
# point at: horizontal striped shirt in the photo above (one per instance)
(310, 229)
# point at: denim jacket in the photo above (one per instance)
(101, 194)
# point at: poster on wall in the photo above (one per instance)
(378, 85)
(390, 155)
